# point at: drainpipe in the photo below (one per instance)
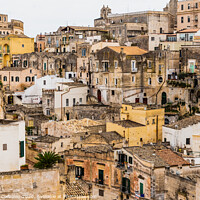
(157, 129)
(61, 102)
(9, 81)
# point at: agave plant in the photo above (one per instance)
(46, 160)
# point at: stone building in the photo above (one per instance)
(12, 142)
(138, 125)
(33, 117)
(48, 63)
(95, 112)
(83, 62)
(127, 25)
(184, 135)
(124, 173)
(114, 73)
(188, 14)
(40, 42)
(51, 143)
(18, 78)
(60, 101)
(14, 44)
(13, 27)
(131, 75)
(182, 186)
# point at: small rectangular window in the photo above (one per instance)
(4, 147)
(113, 92)
(153, 121)
(115, 81)
(48, 102)
(47, 112)
(97, 81)
(106, 81)
(101, 193)
(116, 64)
(12, 78)
(133, 65)
(67, 102)
(130, 160)
(80, 100)
(150, 64)
(74, 101)
(188, 141)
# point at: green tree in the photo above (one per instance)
(46, 160)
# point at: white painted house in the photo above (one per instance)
(67, 95)
(34, 93)
(184, 134)
(12, 145)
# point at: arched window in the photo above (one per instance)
(28, 79)
(17, 79)
(5, 78)
(33, 79)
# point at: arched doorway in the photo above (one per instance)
(99, 95)
(10, 99)
(164, 98)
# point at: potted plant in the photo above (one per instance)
(24, 167)
(33, 145)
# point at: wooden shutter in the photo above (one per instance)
(21, 149)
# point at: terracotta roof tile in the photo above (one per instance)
(133, 50)
(171, 158)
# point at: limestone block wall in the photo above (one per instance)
(31, 184)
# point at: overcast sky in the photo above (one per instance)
(41, 16)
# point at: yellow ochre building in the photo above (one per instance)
(14, 44)
(139, 125)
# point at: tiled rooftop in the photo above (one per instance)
(97, 149)
(74, 190)
(110, 136)
(128, 123)
(184, 123)
(133, 50)
(159, 155)
(47, 139)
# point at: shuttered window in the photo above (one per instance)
(21, 146)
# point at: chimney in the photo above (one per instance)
(71, 173)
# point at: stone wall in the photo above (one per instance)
(31, 184)
(31, 154)
(177, 186)
(96, 112)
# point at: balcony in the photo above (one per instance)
(134, 70)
